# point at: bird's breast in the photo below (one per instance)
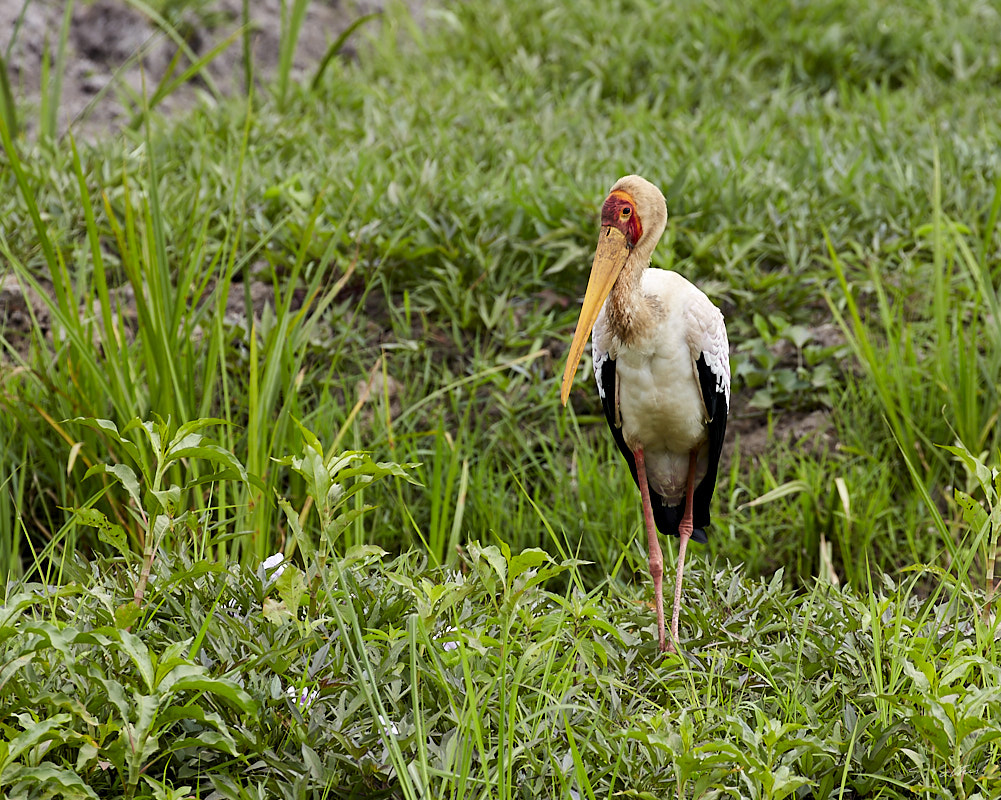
(659, 400)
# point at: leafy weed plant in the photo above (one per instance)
(359, 674)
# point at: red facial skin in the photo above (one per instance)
(619, 211)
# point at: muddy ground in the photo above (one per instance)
(112, 47)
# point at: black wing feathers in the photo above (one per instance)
(716, 407)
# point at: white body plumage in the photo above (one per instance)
(660, 401)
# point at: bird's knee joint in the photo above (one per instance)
(656, 568)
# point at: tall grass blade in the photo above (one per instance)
(336, 47)
(291, 27)
(52, 81)
(170, 83)
(8, 108)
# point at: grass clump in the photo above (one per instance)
(417, 219)
(362, 676)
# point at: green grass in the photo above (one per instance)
(376, 677)
(423, 217)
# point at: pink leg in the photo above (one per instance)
(653, 545)
(685, 528)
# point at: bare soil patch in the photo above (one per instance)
(112, 48)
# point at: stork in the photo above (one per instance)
(662, 366)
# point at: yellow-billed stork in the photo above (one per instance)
(662, 365)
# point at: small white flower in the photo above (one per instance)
(304, 697)
(446, 646)
(274, 561)
(389, 727)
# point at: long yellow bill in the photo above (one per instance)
(609, 259)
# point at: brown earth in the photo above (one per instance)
(112, 48)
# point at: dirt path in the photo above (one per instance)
(111, 46)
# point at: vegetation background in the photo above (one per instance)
(324, 316)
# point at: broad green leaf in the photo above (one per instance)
(104, 425)
(108, 428)
(127, 615)
(11, 610)
(492, 555)
(194, 425)
(276, 612)
(40, 731)
(542, 575)
(311, 467)
(799, 335)
(195, 679)
(973, 513)
(109, 532)
(336, 463)
(50, 779)
(334, 530)
(138, 652)
(984, 474)
(175, 655)
(211, 453)
(372, 470)
(161, 524)
(86, 756)
(784, 782)
(161, 792)
(155, 431)
(182, 443)
(214, 740)
(526, 560)
(291, 587)
(309, 438)
(125, 475)
(362, 553)
(59, 638)
(958, 670)
(169, 499)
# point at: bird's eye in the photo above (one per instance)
(626, 211)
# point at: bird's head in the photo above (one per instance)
(633, 217)
(636, 209)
